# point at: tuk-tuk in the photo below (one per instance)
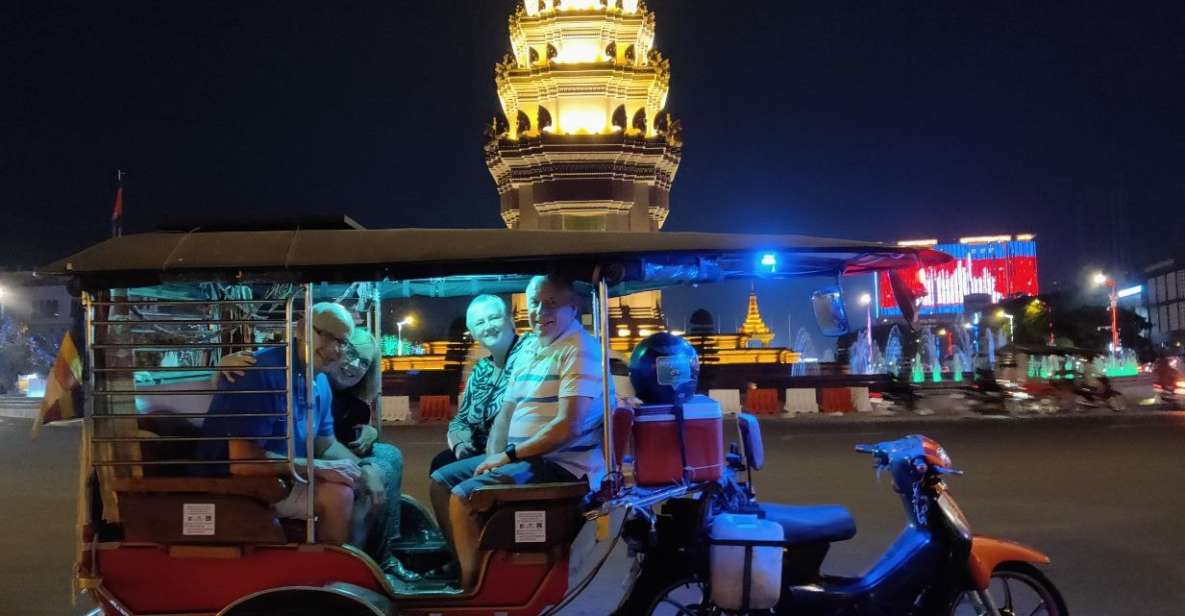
(162, 308)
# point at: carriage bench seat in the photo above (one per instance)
(155, 509)
(485, 498)
(537, 517)
(267, 490)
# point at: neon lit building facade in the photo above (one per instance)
(998, 266)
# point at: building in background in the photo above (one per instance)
(44, 306)
(1164, 293)
(986, 268)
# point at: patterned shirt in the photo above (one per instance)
(482, 399)
(568, 367)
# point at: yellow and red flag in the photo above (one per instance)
(63, 392)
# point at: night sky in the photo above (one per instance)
(870, 120)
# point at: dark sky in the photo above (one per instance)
(872, 120)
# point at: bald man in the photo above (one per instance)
(549, 427)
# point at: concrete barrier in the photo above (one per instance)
(435, 408)
(762, 401)
(800, 400)
(396, 409)
(836, 400)
(729, 399)
(860, 400)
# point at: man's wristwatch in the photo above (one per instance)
(510, 453)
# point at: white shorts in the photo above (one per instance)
(293, 506)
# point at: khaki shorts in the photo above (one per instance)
(293, 506)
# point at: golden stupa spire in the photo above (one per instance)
(754, 327)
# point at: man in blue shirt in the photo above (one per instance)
(336, 468)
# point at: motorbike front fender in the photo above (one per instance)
(987, 552)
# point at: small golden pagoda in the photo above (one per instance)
(754, 327)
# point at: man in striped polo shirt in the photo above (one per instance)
(549, 428)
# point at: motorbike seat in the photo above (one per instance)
(812, 524)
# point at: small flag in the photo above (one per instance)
(117, 209)
(63, 393)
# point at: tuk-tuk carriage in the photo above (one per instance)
(162, 308)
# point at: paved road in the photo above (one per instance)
(1103, 496)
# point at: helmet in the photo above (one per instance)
(664, 369)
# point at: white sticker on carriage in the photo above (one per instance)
(198, 519)
(530, 526)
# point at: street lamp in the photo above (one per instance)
(408, 320)
(1000, 314)
(1100, 279)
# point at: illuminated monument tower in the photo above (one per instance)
(585, 143)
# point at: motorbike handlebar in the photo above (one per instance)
(867, 449)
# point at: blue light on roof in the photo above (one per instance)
(770, 260)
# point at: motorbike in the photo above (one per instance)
(1101, 393)
(936, 566)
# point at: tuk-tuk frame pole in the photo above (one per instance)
(288, 333)
(87, 468)
(376, 330)
(310, 447)
(601, 314)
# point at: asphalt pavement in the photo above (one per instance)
(1100, 493)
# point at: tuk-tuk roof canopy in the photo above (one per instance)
(636, 260)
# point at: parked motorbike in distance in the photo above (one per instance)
(684, 564)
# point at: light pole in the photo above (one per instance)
(866, 301)
(3, 292)
(1100, 279)
(408, 320)
(1000, 314)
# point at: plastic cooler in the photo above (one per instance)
(669, 450)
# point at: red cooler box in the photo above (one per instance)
(663, 455)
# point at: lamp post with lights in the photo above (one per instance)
(408, 320)
(866, 301)
(1102, 279)
(1000, 314)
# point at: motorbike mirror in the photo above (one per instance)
(751, 444)
(829, 311)
(906, 299)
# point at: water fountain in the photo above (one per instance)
(918, 372)
(858, 359)
(933, 356)
(1124, 363)
(892, 356)
(804, 345)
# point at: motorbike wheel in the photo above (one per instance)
(1117, 402)
(668, 593)
(1016, 589)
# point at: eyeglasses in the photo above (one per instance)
(339, 340)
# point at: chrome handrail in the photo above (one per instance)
(276, 322)
(290, 429)
(310, 446)
(601, 310)
(94, 393)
